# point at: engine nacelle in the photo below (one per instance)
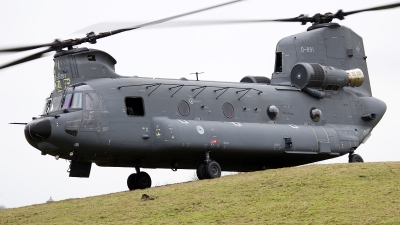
(314, 75)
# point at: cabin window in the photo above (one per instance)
(228, 110)
(183, 108)
(272, 112)
(315, 114)
(134, 106)
(278, 62)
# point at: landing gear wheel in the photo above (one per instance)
(143, 180)
(201, 171)
(132, 181)
(213, 170)
(354, 158)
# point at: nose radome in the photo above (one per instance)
(38, 130)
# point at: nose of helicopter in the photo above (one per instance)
(38, 130)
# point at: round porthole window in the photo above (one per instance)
(183, 108)
(227, 108)
(315, 114)
(272, 112)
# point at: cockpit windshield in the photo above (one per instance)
(72, 100)
(52, 104)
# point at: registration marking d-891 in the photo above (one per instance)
(308, 49)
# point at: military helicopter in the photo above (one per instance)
(236, 125)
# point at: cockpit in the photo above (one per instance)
(82, 103)
(73, 99)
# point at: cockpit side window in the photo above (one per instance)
(52, 104)
(72, 100)
(92, 112)
(92, 101)
(55, 103)
(47, 106)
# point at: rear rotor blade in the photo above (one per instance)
(27, 58)
(211, 22)
(372, 9)
(304, 19)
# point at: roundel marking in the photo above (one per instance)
(200, 129)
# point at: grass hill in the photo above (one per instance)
(362, 193)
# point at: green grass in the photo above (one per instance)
(362, 193)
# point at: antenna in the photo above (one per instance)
(197, 75)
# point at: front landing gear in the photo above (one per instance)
(209, 169)
(139, 180)
(354, 158)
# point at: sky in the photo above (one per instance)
(222, 52)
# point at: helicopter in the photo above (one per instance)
(182, 121)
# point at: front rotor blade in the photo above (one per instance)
(171, 18)
(27, 58)
(221, 22)
(184, 23)
(211, 22)
(113, 25)
(31, 47)
(372, 9)
(19, 123)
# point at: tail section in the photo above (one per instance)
(332, 46)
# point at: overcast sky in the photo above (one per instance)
(223, 53)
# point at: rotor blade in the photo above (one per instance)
(30, 47)
(170, 18)
(220, 22)
(19, 123)
(27, 58)
(181, 23)
(210, 22)
(372, 9)
(114, 25)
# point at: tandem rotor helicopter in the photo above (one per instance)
(317, 105)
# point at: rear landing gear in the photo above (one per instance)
(132, 181)
(139, 180)
(143, 180)
(201, 171)
(209, 169)
(354, 158)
